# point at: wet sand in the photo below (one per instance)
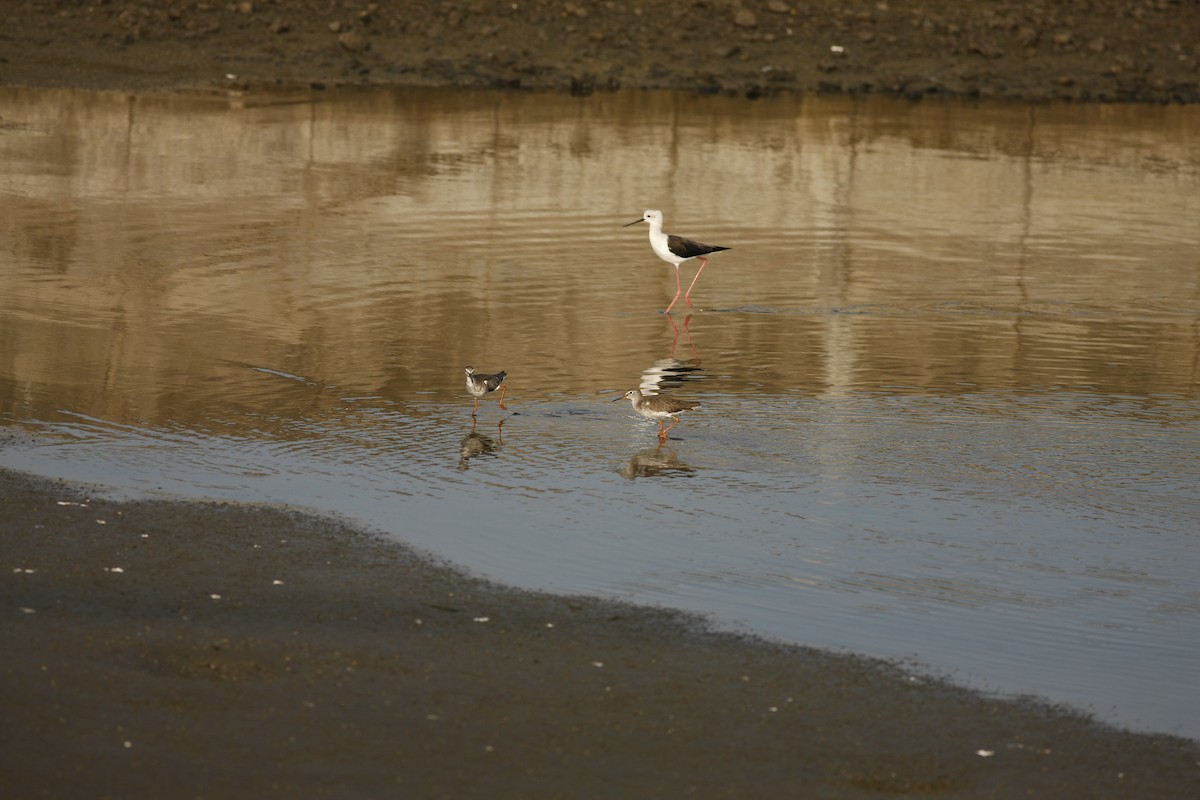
(171, 649)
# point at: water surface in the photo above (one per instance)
(949, 370)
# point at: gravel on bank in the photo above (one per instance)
(1082, 50)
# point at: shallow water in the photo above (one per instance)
(949, 370)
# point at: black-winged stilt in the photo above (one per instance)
(675, 250)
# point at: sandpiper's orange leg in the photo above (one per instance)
(503, 389)
(678, 291)
(662, 433)
(476, 408)
(703, 264)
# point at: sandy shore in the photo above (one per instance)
(159, 649)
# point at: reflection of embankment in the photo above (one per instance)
(878, 246)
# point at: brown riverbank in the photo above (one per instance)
(158, 649)
(1106, 50)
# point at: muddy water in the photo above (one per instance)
(949, 370)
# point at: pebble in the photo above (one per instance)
(745, 18)
(353, 42)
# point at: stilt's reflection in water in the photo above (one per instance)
(665, 375)
(670, 373)
(477, 444)
(687, 323)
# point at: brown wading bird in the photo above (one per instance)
(658, 408)
(675, 250)
(479, 385)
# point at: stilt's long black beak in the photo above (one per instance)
(635, 222)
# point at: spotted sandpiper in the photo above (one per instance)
(479, 385)
(658, 407)
(675, 250)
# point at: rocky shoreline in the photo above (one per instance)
(1083, 50)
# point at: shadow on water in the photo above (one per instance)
(948, 371)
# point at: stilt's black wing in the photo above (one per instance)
(686, 248)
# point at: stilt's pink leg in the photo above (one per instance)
(678, 291)
(703, 264)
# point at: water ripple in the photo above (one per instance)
(960, 424)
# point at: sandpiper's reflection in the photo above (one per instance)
(478, 444)
(655, 461)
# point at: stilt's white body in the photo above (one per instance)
(658, 240)
(675, 250)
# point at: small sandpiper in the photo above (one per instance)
(658, 408)
(675, 250)
(479, 385)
